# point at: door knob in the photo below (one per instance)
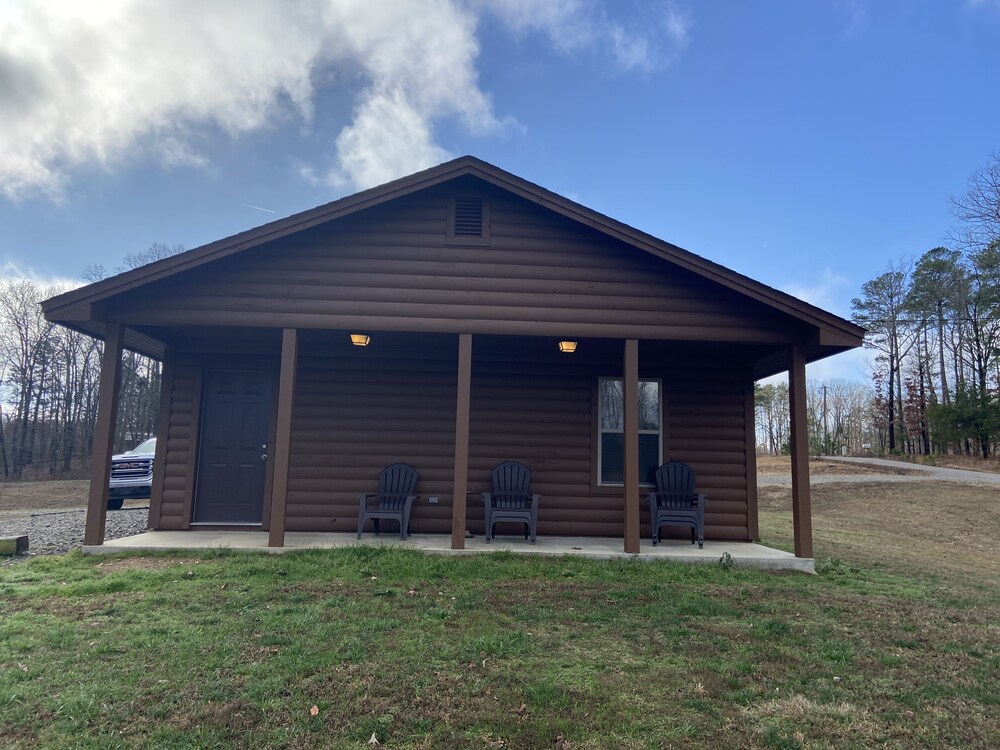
(263, 456)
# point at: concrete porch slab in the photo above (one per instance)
(600, 548)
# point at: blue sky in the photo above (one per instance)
(806, 144)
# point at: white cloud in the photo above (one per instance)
(13, 271)
(387, 138)
(98, 83)
(857, 16)
(825, 292)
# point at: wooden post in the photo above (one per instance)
(462, 398)
(104, 435)
(631, 429)
(283, 436)
(801, 503)
(750, 427)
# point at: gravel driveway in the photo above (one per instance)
(58, 532)
(931, 472)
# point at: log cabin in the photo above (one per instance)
(451, 320)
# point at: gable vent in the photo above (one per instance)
(468, 217)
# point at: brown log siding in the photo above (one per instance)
(181, 436)
(390, 268)
(353, 416)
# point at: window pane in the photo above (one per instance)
(612, 404)
(612, 458)
(649, 458)
(649, 405)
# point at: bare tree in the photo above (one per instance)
(156, 251)
(978, 211)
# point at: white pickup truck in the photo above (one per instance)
(131, 474)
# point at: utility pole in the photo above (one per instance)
(826, 436)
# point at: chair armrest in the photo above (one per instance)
(487, 499)
(701, 502)
(365, 498)
(410, 499)
(651, 499)
(535, 499)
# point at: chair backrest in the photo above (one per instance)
(511, 485)
(675, 482)
(395, 484)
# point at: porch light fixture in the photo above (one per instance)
(567, 346)
(360, 339)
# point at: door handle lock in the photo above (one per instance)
(263, 456)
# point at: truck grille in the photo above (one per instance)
(132, 468)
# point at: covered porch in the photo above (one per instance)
(454, 405)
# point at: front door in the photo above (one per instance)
(232, 459)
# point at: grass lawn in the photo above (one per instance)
(328, 649)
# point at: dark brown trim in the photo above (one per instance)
(630, 388)
(595, 439)
(104, 435)
(269, 465)
(283, 436)
(343, 316)
(162, 440)
(750, 415)
(801, 501)
(664, 422)
(61, 307)
(191, 471)
(463, 393)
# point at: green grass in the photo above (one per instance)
(495, 651)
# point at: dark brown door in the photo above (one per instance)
(233, 455)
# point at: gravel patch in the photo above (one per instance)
(58, 533)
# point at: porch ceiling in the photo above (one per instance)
(391, 344)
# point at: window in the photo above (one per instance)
(611, 445)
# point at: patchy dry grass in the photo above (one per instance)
(770, 465)
(24, 498)
(896, 643)
(17, 497)
(972, 463)
(942, 529)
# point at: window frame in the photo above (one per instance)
(599, 430)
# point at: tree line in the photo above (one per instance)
(839, 414)
(934, 324)
(49, 384)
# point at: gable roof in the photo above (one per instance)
(841, 332)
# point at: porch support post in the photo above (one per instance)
(801, 502)
(464, 390)
(630, 427)
(104, 435)
(283, 436)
